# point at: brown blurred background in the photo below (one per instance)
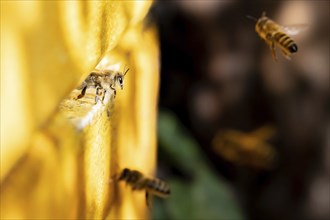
(220, 84)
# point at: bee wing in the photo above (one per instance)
(294, 29)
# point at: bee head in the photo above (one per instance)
(261, 25)
(130, 176)
(124, 174)
(120, 77)
(120, 80)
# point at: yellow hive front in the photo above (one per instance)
(59, 155)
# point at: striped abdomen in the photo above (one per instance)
(157, 187)
(285, 42)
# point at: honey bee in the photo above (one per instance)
(102, 81)
(151, 186)
(246, 149)
(275, 34)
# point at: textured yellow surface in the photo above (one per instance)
(58, 154)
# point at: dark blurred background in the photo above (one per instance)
(240, 135)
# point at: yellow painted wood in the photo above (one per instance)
(58, 154)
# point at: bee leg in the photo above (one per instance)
(103, 95)
(270, 41)
(99, 92)
(108, 113)
(109, 110)
(82, 94)
(96, 99)
(272, 47)
(97, 95)
(147, 199)
(114, 91)
(104, 91)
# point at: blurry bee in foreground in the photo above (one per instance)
(275, 34)
(102, 81)
(246, 149)
(152, 186)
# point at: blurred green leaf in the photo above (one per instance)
(214, 198)
(176, 143)
(179, 204)
(206, 196)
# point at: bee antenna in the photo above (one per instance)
(126, 70)
(251, 17)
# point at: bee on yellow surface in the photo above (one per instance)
(102, 81)
(275, 34)
(152, 186)
(246, 149)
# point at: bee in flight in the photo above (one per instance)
(102, 81)
(275, 34)
(151, 186)
(247, 149)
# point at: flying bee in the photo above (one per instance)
(151, 186)
(102, 81)
(246, 149)
(275, 34)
